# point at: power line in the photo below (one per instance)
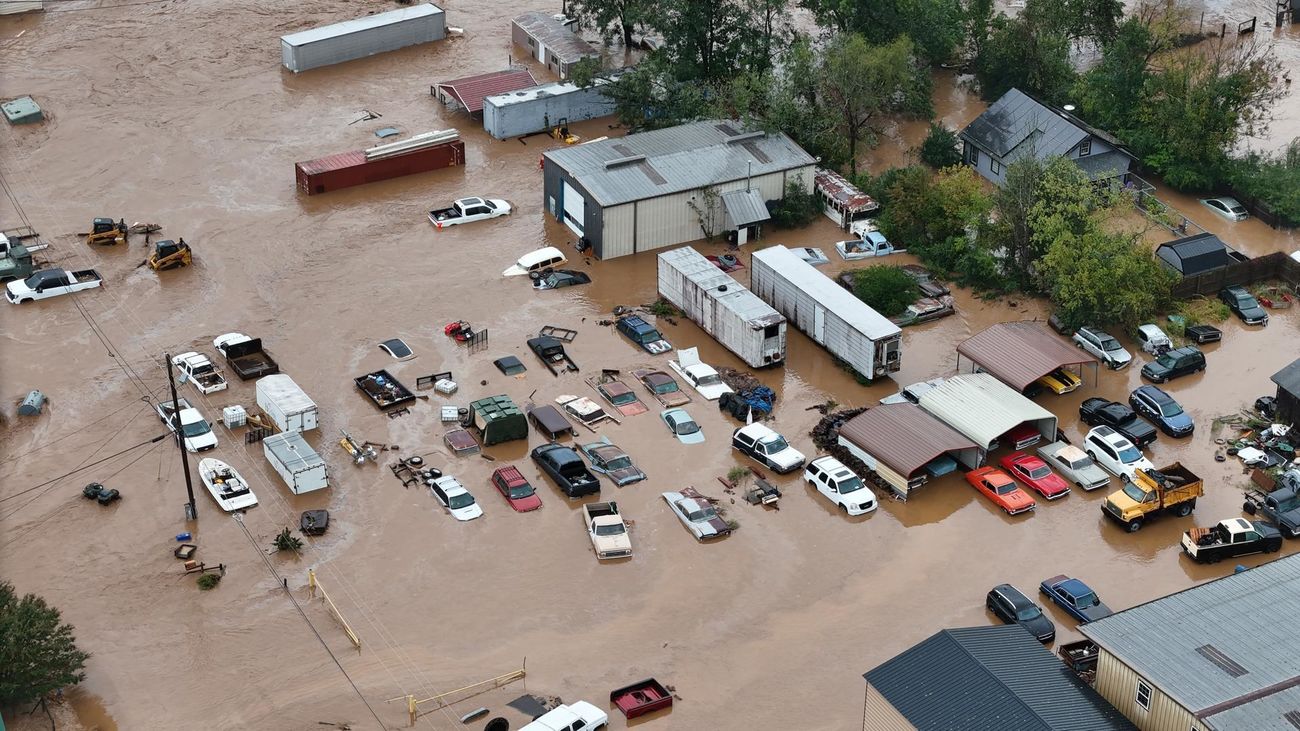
(72, 433)
(158, 438)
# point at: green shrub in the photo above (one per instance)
(286, 541)
(1202, 310)
(208, 581)
(939, 149)
(796, 210)
(886, 289)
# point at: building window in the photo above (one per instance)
(974, 157)
(1085, 148)
(1144, 695)
(994, 166)
(532, 43)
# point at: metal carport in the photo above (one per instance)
(898, 440)
(984, 408)
(1019, 353)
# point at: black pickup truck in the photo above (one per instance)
(245, 356)
(1281, 506)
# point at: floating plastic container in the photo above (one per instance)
(450, 413)
(23, 110)
(183, 536)
(31, 405)
(446, 386)
(233, 416)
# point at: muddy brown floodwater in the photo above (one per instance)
(178, 112)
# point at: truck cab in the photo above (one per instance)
(643, 334)
(15, 260)
(1231, 537)
(51, 283)
(580, 716)
(1172, 488)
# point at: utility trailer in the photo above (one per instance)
(383, 390)
(850, 330)
(734, 316)
(301, 468)
(245, 356)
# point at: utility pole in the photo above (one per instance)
(191, 512)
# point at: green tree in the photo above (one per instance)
(1105, 278)
(1111, 92)
(612, 17)
(1094, 20)
(768, 30)
(38, 653)
(704, 40)
(863, 84)
(1273, 179)
(939, 149)
(1023, 56)
(648, 97)
(934, 26)
(584, 72)
(797, 209)
(886, 289)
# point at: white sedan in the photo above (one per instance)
(1117, 454)
(701, 376)
(697, 514)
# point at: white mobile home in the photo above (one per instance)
(825, 312)
(733, 315)
(353, 39)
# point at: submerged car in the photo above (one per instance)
(1100, 411)
(1104, 346)
(611, 461)
(643, 334)
(1075, 597)
(1034, 472)
(703, 377)
(1117, 454)
(698, 515)
(515, 488)
(1001, 489)
(455, 498)
(662, 386)
(767, 448)
(1244, 305)
(621, 397)
(557, 278)
(815, 257)
(1174, 363)
(1152, 339)
(1229, 208)
(840, 485)
(682, 426)
(1011, 606)
(1161, 408)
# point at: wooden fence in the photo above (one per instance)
(1273, 266)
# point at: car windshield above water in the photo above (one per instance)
(686, 427)
(521, 491)
(1025, 614)
(853, 484)
(1108, 344)
(775, 443)
(1127, 452)
(615, 529)
(463, 500)
(1039, 472)
(1135, 492)
(196, 429)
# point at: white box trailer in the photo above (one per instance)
(733, 315)
(353, 39)
(296, 462)
(826, 312)
(288, 406)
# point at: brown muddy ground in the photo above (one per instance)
(179, 113)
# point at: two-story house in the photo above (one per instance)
(1222, 656)
(1018, 125)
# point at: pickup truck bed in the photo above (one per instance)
(249, 361)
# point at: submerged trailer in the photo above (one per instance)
(843, 324)
(841, 201)
(353, 39)
(301, 468)
(733, 315)
(419, 154)
(289, 406)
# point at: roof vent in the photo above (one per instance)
(621, 161)
(722, 288)
(1293, 717)
(746, 137)
(1222, 661)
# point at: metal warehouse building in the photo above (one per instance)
(670, 186)
(905, 446)
(984, 409)
(540, 108)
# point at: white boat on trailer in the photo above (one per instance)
(227, 486)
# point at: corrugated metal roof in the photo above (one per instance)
(1017, 118)
(1195, 254)
(1019, 353)
(747, 305)
(745, 207)
(843, 192)
(333, 162)
(558, 39)
(1269, 713)
(903, 436)
(1103, 165)
(990, 679)
(348, 27)
(1288, 378)
(471, 90)
(981, 407)
(686, 157)
(1247, 617)
(822, 288)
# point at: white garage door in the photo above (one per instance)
(574, 209)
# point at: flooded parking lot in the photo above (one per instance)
(154, 115)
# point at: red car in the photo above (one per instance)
(1001, 489)
(510, 482)
(1034, 472)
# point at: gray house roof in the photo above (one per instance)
(1225, 645)
(676, 159)
(990, 679)
(1288, 379)
(1018, 119)
(1195, 254)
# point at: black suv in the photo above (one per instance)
(1099, 411)
(1244, 305)
(1011, 606)
(566, 469)
(1174, 363)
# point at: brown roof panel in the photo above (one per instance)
(471, 90)
(1019, 353)
(903, 436)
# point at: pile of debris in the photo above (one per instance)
(1259, 443)
(826, 436)
(750, 396)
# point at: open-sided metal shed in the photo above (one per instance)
(470, 91)
(984, 409)
(1019, 353)
(899, 441)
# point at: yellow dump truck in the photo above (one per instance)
(1171, 489)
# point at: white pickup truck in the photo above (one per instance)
(607, 529)
(580, 716)
(701, 376)
(51, 283)
(199, 370)
(469, 210)
(195, 429)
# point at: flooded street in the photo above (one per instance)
(179, 113)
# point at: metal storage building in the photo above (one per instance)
(984, 408)
(826, 312)
(898, 441)
(14, 7)
(1019, 353)
(469, 92)
(540, 108)
(661, 188)
(734, 316)
(550, 41)
(353, 39)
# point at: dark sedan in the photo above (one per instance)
(1244, 305)
(1011, 606)
(1102, 412)
(557, 278)
(1161, 408)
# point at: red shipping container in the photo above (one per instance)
(347, 169)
